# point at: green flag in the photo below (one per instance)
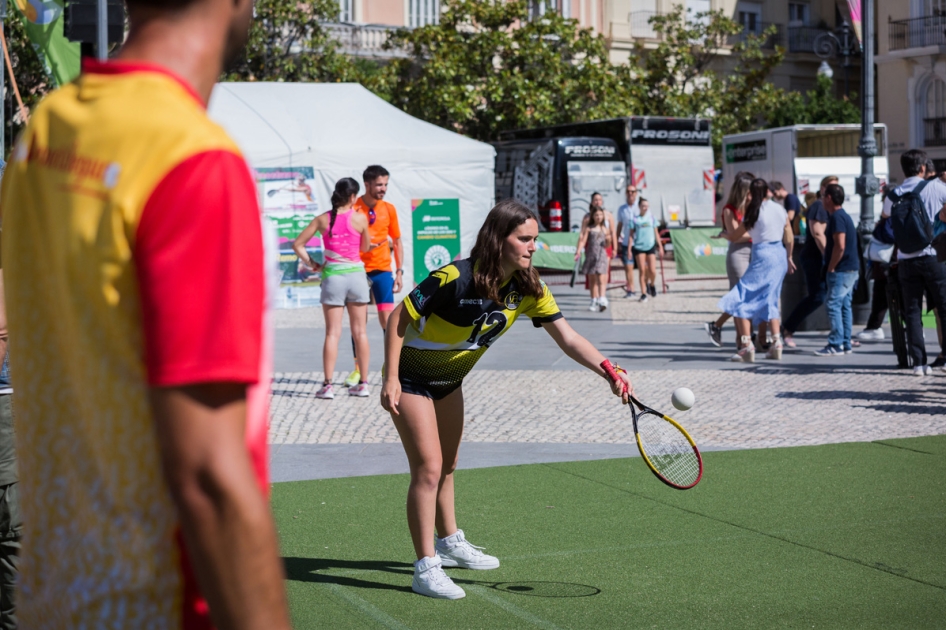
(43, 20)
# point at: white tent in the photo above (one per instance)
(338, 129)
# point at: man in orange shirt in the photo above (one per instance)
(384, 231)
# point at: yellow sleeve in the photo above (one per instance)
(544, 309)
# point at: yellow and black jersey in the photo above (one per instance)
(453, 326)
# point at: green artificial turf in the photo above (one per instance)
(837, 536)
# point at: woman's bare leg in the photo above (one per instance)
(333, 332)
(417, 426)
(642, 271)
(593, 285)
(358, 320)
(652, 269)
(743, 329)
(602, 285)
(450, 426)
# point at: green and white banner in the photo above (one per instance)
(556, 250)
(436, 229)
(43, 21)
(696, 251)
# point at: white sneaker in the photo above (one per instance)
(325, 392)
(594, 305)
(430, 580)
(455, 551)
(361, 390)
(922, 370)
(877, 334)
(603, 303)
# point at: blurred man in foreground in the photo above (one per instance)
(133, 256)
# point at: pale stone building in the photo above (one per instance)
(911, 78)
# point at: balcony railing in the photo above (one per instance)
(770, 41)
(918, 32)
(363, 40)
(801, 39)
(934, 132)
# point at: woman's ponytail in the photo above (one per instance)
(344, 189)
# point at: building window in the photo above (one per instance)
(346, 10)
(423, 12)
(697, 7)
(799, 14)
(538, 8)
(933, 8)
(749, 16)
(934, 114)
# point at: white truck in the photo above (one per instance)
(801, 155)
(669, 159)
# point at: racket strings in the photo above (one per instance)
(668, 450)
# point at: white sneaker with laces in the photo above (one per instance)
(456, 551)
(922, 370)
(361, 390)
(877, 334)
(326, 392)
(430, 580)
(594, 305)
(603, 303)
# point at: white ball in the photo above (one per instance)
(682, 398)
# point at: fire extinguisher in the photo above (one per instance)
(555, 216)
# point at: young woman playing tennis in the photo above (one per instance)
(433, 339)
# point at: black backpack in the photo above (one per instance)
(912, 228)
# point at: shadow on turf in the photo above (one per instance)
(319, 571)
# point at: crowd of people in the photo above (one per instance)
(760, 220)
(637, 235)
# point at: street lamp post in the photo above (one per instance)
(867, 185)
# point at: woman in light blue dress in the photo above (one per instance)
(755, 298)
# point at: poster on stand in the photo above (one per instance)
(436, 230)
(289, 204)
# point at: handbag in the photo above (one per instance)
(881, 252)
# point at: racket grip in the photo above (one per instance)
(611, 372)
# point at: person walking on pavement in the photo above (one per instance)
(594, 240)
(755, 297)
(738, 253)
(11, 522)
(142, 357)
(625, 216)
(812, 264)
(344, 284)
(644, 246)
(841, 271)
(385, 233)
(918, 271)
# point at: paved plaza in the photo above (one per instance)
(526, 402)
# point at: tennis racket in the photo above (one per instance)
(575, 272)
(666, 447)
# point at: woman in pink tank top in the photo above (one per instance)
(344, 283)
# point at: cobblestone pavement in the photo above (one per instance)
(751, 407)
(756, 408)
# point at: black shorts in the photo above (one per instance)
(652, 250)
(428, 391)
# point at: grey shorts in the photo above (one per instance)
(344, 288)
(737, 261)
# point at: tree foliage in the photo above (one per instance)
(31, 78)
(817, 106)
(486, 68)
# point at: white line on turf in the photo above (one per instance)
(372, 611)
(496, 600)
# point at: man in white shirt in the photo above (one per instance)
(626, 214)
(919, 272)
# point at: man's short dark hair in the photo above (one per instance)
(373, 172)
(912, 161)
(835, 193)
(776, 186)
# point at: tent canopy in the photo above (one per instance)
(340, 128)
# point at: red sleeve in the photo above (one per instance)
(199, 258)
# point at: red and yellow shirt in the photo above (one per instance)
(382, 223)
(133, 257)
